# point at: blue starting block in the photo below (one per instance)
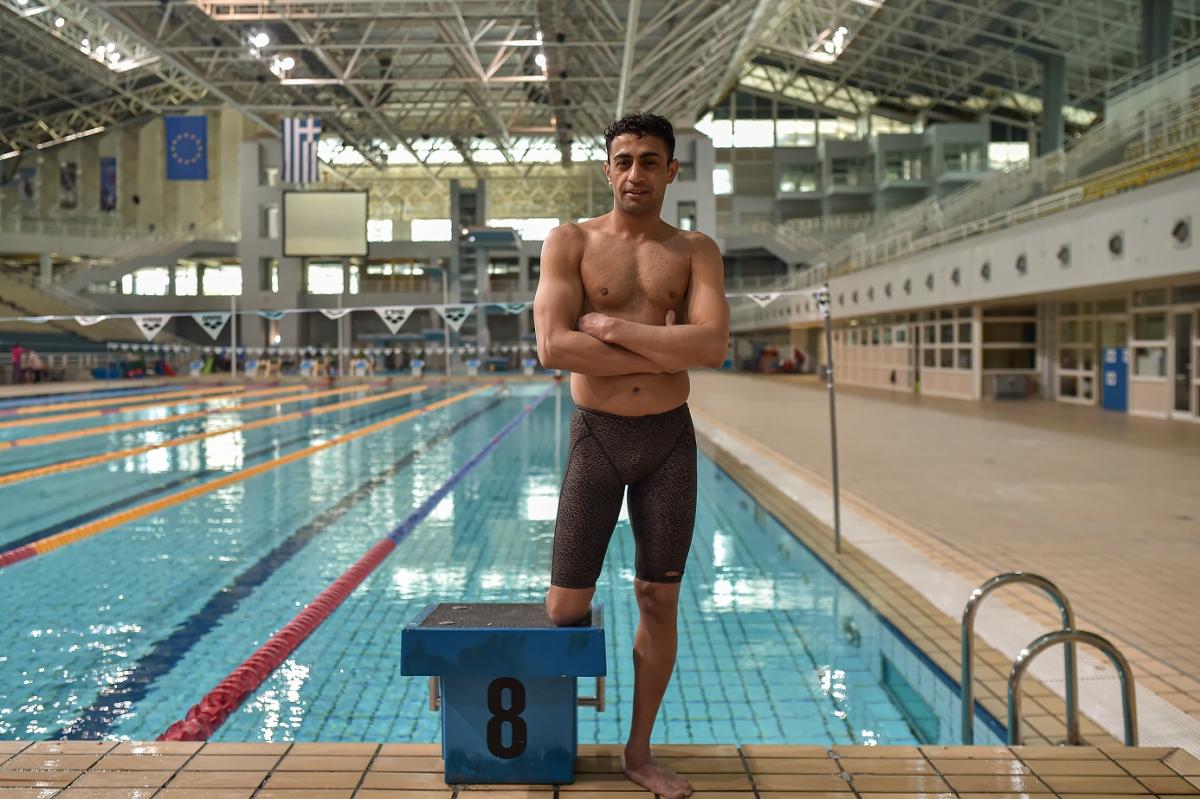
(504, 677)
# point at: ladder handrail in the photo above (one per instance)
(1069, 637)
(967, 685)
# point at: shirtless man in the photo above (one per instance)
(627, 304)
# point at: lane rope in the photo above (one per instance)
(51, 407)
(83, 531)
(203, 718)
(105, 457)
(96, 413)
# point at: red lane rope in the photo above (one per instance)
(206, 716)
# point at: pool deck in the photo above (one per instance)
(1105, 505)
(111, 770)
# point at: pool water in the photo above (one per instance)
(117, 635)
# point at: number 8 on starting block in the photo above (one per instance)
(504, 678)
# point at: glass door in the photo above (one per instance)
(1184, 365)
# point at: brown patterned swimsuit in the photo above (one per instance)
(655, 456)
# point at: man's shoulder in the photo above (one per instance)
(698, 242)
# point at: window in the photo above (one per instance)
(754, 133)
(325, 278)
(1150, 361)
(798, 178)
(904, 166)
(268, 275)
(153, 281)
(530, 229)
(851, 172)
(431, 230)
(962, 157)
(221, 281)
(1007, 154)
(187, 283)
(687, 215)
(1150, 326)
(379, 230)
(1149, 298)
(723, 179)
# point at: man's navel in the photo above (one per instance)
(603, 292)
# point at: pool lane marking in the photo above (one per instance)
(117, 427)
(95, 413)
(50, 407)
(203, 719)
(251, 457)
(109, 706)
(53, 542)
(106, 457)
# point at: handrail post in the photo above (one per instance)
(1069, 637)
(967, 683)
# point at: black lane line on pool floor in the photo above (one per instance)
(192, 477)
(96, 720)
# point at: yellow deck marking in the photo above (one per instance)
(90, 529)
(106, 457)
(92, 414)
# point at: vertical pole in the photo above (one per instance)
(233, 336)
(823, 303)
(341, 341)
(445, 324)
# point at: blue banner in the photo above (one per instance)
(108, 183)
(187, 147)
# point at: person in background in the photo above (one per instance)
(17, 363)
(34, 364)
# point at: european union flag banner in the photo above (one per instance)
(187, 147)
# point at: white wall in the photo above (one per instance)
(1145, 217)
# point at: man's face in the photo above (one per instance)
(639, 172)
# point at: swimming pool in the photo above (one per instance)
(118, 634)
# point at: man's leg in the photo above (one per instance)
(662, 510)
(654, 648)
(588, 506)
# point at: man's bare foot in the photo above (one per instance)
(656, 779)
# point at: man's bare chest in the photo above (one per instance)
(632, 279)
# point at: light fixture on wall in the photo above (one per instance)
(929, 281)
(887, 289)
(908, 285)
(1022, 264)
(1064, 255)
(956, 276)
(1181, 231)
(1116, 244)
(985, 271)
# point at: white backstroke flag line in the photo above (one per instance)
(212, 322)
(335, 313)
(87, 321)
(455, 315)
(394, 316)
(151, 323)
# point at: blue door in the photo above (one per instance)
(1114, 396)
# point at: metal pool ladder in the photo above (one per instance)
(1067, 636)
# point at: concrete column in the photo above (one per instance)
(1054, 95)
(1155, 38)
(45, 269)
(523, 290)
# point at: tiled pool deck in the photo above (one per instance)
(1102, 504)
(110, 770)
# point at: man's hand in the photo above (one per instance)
(598, 326)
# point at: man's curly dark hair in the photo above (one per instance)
(640, 125)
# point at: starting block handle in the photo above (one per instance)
(597, 701)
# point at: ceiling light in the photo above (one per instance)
(22, 3)
(100, 51)
(540, 60)
(289, 62)
(260, 39)
(114, 58)
(829, 47)
(59, 22)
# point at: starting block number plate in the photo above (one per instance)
(508, 729)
